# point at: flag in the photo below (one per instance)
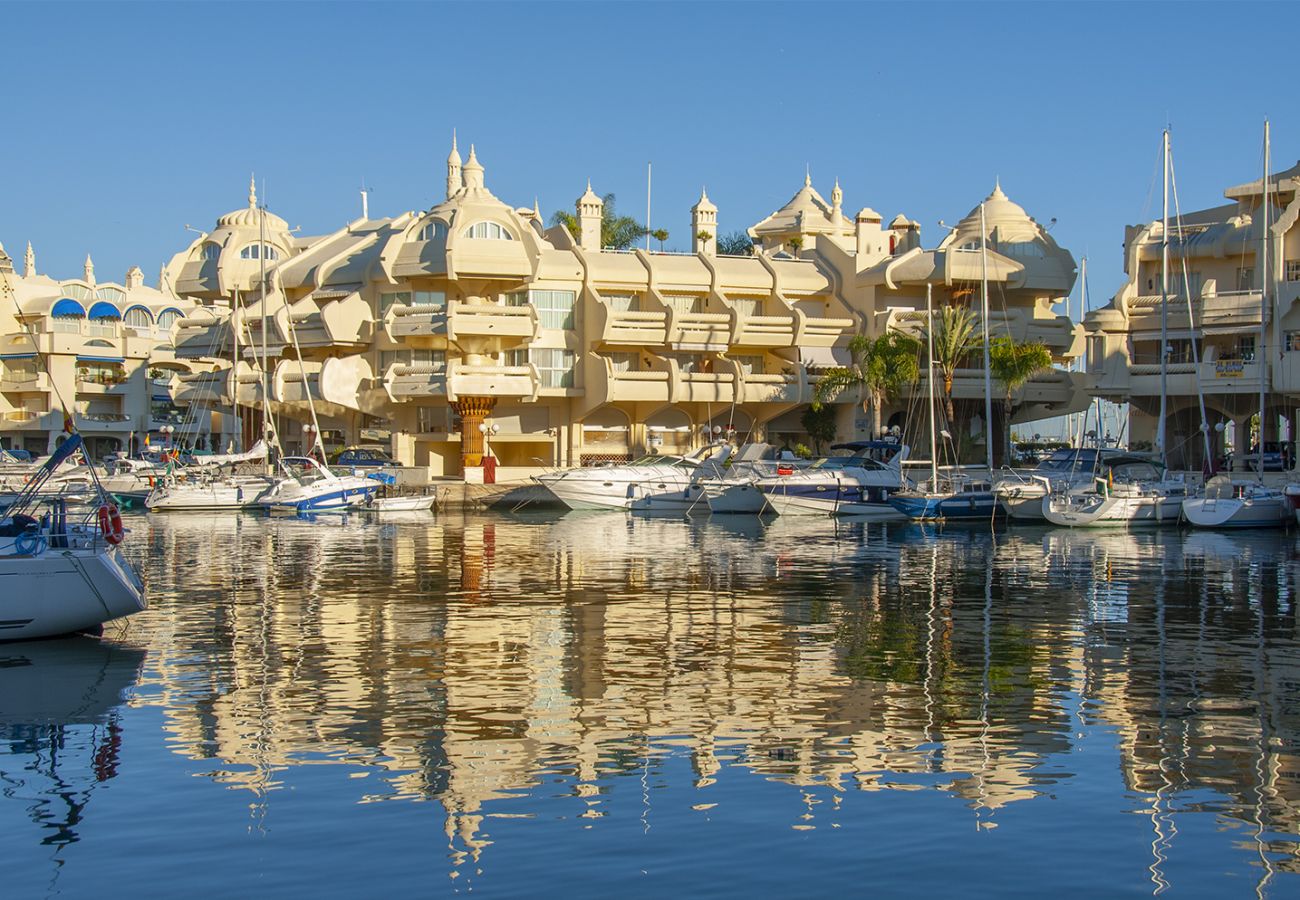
(68, 427)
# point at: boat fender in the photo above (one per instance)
(110, 523)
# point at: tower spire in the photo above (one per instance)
(29, 262)
(88, 271)
(252, 191)
(454, 183)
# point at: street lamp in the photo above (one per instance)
(167, 431)
(308, 431)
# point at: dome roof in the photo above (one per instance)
(251, 216)
(1001, 214)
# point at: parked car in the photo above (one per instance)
(20, 455)
(365, 458)
(1277, 457)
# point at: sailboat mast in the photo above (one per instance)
(234, 370)
(1261, 357)
(929, 383)
(1164, 301)
(266, 395)
(984, 303)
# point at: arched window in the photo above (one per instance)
(168, 317)
(209, 250)
(259, 251)
(111, 294)
(433, 231)
(489, 231)
(138, 317)
(1022, 249)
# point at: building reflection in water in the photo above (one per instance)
(471, 660)
(60, 727)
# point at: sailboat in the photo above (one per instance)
(956, 496)
(1226, 503)
(1131, 490)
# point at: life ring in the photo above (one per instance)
(110, 523)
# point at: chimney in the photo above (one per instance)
(591, 212)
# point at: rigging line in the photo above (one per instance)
(1191, 318)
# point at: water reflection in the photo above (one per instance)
(475, 661)
(60, 727)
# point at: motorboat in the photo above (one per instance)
(207, 492)
(738, 491)
(860, 484)
(664, 480)
(401, 503)
(1020, 493)
(1238, 504)
(1132, 490)
(307, 485)
(954, 496)
(61, 573)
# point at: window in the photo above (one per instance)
(210, 250)
(623, 302)
(625, 362)
(167, 318)
(1293, 341)
(1293, 270)
(685, 303)
(748, 306)
(434, 299)
(1176, 286)
(554, 367)
(138, 317)
(387, 300)
(1246, 278)
(434, 231)
(111, 294)
(488, 231)
(1246, 348)
(259, 251)
(66, 325)
(554, 308)
(1021, 249)
(750, 365)
(434, 360)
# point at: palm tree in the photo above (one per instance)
(1014, 365)
(955, 338)
(881, 366)
(616, 232)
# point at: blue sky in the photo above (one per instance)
(128, 121)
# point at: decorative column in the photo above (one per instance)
(472, 412)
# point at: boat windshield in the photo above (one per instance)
(303, 471)
(1069, 461)
(846, 462)
(655, 459)
(1141, 471)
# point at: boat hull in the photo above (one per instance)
(1023, 504)
(1237, 512)
(735, 498)
(970, 506)
(217, 496)
(60, 592)
(1115, 512)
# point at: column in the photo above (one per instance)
(472, 412)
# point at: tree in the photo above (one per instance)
(616, 232)
(738, 243)
(819, 424)
(955, 338)
(660, 235)
(881, 366)
(1014, 365)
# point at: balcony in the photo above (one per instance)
(404, 320)
(632, 327)
(492, 320)
(98, 422)
(766, 331)
(101, 384)
(819, 331)
(783, 389)
(26, 419)
(334, 385)
(1219, 377)
(24, 382)
(415, 381)
(202, 387)
(492, 380)
(700, 330)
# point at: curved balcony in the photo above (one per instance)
(491, 320)
(783, 389)
(491, 380)
(418, 320)
(631, 327)
(700, 330)
(403, 381)
(766, 331)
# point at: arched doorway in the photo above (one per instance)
(606, 437)
(733, 424)
(668, 431)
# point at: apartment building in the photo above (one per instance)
(1215, 354)
(473, 322)
(97, 352)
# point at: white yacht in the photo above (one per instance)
(1020, 493)
(737, 491)
(1238, 504)
(1131, 490)
(857, 485)
(200, 491)
(309, 486)
(59, 573)
(663, 480)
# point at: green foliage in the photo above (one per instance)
(819, 424)
(738, 243)
(660, 235)
(1014, 365)
(616, 232)
(956, 337)
(881, 367)
(803, 451)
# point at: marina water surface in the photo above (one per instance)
(596, 703)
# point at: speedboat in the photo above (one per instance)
(857, 485)
(955, 496)
(308, 486)
(650, 483)
(59, 573)
(738, 491)
(1238, 504)
(1132, 491)
(1020, 493)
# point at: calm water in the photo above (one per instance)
(593, 703)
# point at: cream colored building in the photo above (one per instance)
(429, 328)
(1215, 353)
(99, 351)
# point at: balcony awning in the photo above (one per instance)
(108, 359)
(103, 310)
(17, 355)
(68, 307)
(825, 357)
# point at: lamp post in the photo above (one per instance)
(167, 431)
(309, 439)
